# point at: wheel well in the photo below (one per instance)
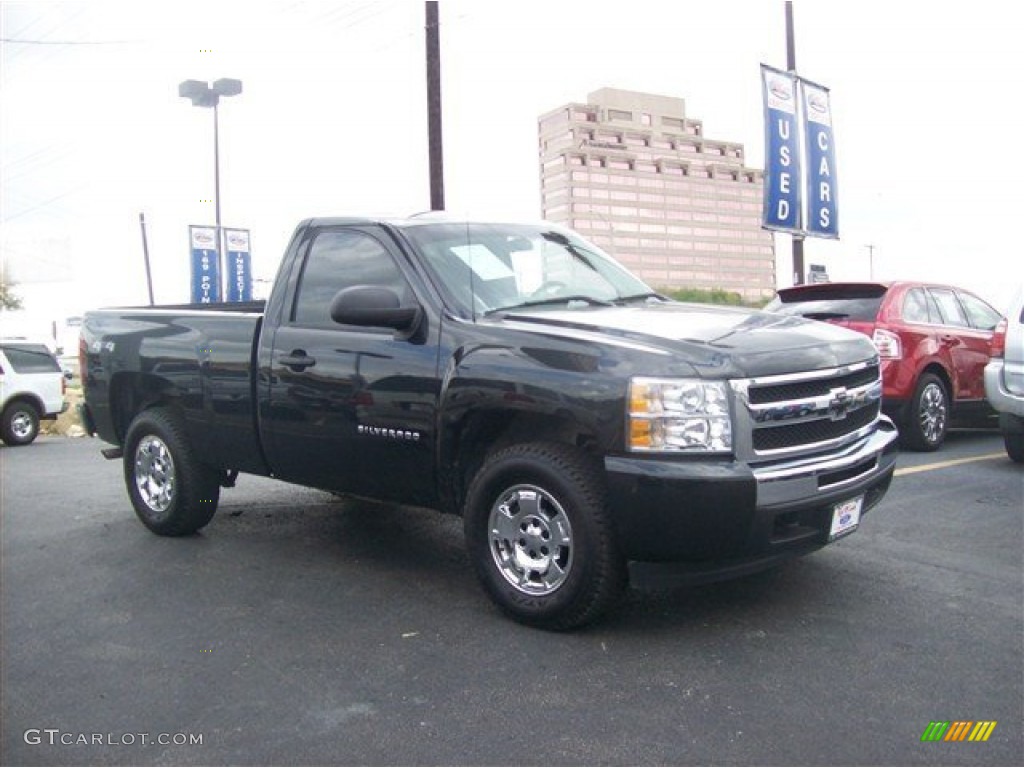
(943, 374)
(132, 393)
(26, 397)
(484, 433)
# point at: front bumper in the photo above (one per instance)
(692, 521)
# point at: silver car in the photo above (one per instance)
(1004, 377)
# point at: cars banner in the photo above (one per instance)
(205, 264)
(823, 212)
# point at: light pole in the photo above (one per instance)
(205, 94)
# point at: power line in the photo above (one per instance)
(15, 41)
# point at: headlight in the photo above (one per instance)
(687, 415)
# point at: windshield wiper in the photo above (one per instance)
(553, 300)
(639, 296)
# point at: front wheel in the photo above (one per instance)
(172, 492)
(539, 536)
(927, 416)
(20, 423)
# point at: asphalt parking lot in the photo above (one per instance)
(300, 629)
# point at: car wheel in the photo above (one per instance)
(20, 423)
(927, 420)
(172, 492)
(540, 538)
(1014, 442)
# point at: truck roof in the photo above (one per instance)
(419, 219)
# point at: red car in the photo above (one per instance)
(933, 342)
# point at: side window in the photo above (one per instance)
(948, 306)
(981, 315)
(31, 358)
(915, 307)
(340, 259)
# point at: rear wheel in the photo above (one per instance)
(172, 492)
(19, 424)
(1014, 442)
(539, 536)
(927, 419)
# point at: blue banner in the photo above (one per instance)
(205, 265)
(782, 188)
(822, 204)
(239, 265)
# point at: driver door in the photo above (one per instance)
(352, 409)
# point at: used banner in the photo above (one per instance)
(782, 188)
(823, 212)
(205, 265)
(239, 265)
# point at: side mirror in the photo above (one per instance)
(372, 305)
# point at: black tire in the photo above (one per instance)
(927, 416)
(564, 569)
(19, 424)
(1014, 442)
(172, 492)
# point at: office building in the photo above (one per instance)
(636, 176)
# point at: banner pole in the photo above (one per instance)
(798, 239)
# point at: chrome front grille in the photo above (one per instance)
(793, 414)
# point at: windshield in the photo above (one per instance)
(492, 267)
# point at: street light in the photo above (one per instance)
(203, 94)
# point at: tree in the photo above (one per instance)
(8, 300)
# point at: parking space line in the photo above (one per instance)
(950, 463)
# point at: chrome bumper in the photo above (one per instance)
(783, 483)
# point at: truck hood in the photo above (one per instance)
(714, 341)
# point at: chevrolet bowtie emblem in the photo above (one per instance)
(839, 404)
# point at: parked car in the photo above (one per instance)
(933, 341)
(32, 386)
(1004, 377)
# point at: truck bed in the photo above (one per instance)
(204, 354)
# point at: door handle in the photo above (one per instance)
(297, 360)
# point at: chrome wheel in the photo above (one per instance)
(154, 473)
(22, 425)
(531, 540)
(931, 412)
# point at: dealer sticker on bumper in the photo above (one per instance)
(845, 518)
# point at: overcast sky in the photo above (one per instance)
(332, 121)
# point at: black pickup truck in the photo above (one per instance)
(588, 430)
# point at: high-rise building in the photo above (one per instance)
(633, 174)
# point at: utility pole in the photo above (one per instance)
(434, 107)
(145, 254)
(871, 261)
(798, 240)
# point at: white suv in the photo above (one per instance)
(1004, 377)
(32, 386)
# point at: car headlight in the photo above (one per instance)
(678, 415)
